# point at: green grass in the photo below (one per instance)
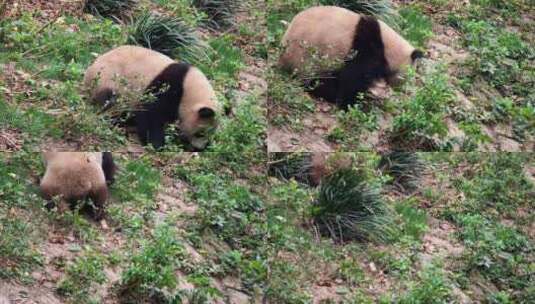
(499, 64)
(82, 276)
(413, 219)
(60, 51)
(433, 288)
(288, 104)
(415, 26)
(356, 122)
(16, 247)
(153, 267)
(495, 190)
(18, 228)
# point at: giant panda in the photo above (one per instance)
(366, 49)
(73, 176)
(182, 92)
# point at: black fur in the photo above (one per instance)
(206, 113)
(366, 64)
(168, 88)
(109, 168)
(416, 54)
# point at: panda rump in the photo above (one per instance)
(77, 175)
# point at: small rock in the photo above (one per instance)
(372, 267)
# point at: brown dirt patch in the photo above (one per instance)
(287, 140)
(10, 140)
(11, 293)
(45, 10)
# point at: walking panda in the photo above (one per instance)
(366, 48)
(182, 93)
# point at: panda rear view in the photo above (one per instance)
(73, 176)
(182, 92)
(362, 48)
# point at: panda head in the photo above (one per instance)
(198, 110)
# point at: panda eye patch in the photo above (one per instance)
(206, 113)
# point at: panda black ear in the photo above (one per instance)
(206, 113)
(417, 54)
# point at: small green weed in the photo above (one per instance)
(432, 288)
(421, 122)
(83, 277)
(153, 267)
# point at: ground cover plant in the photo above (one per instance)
(220, 227)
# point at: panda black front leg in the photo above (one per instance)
(150, 126)
(356, 77)
(157, 133)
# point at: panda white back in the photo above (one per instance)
(124, 69)
(310, 30)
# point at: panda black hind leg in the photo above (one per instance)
(353, 79)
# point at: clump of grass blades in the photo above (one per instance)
(381, 9)
(220, 13)
(109, 8)
(404, 167)
(348, 207)
(167, 35)
(291, 165)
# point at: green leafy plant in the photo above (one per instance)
(109, 8)
(348, 207)
(421, 122)
(82, 276)
(433, 288)
(167, 35)
(153, 267)
(220, 13)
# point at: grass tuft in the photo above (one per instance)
(220, 13)
(382, 9)
(291, 165)
(167, 35)
(404, 167)
(109, 8)
(348, 207)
